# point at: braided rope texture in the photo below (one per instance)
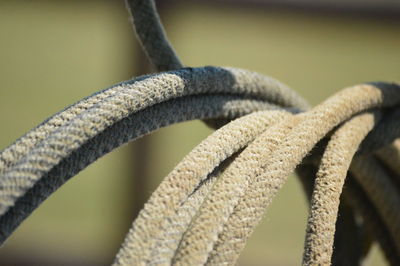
(346, 152)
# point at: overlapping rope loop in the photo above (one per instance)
(346, 152)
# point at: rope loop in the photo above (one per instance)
(345, 151)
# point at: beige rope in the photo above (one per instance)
(183, 180)
(178, 223)
(313, 126)
(328, 188)
(227, 191)
(361, 203)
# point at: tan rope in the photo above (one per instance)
(227, 191)
(351, 242)
(177, 224)
(313, 126)
(328, 188)
(183, 180)
(361, 203)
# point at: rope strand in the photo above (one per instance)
(328, 188)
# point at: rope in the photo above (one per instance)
(390, 155)
(351, 241)
(184, 179)
(153, 89)
(152, 35)
(130, 98)
(372, 220)
(389, 127)
(177, 224)
(219, 206)
(126, 130)
(206, 208)
(357, 198)
(328, 188)
(386, 198)
(295, 145)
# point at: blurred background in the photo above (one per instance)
(53, 53)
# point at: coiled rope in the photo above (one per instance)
(206, 208)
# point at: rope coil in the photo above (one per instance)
(206, 208)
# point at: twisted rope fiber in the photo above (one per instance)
(380, 179)
(380, 138)
(167, 45)
(352, 241)
(151, 35)
(129, 128)
(328, 188)
(140, 29)
(168, 241)
(220, 191)
(140, 26)
(73, 128)
(132, 98)
(265, 145)
(184, 179)
(358, 199)
(166, 86)
(314, 125)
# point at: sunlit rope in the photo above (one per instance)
(60, 147)
(328, 187)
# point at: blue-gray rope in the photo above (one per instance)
(43, 151)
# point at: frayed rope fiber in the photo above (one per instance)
(346, 152)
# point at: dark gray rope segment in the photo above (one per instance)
(389, 127)
(129, 99)
(152, 36)
(152, 89)
(372, 219)
(127, 129)
(382, 192)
